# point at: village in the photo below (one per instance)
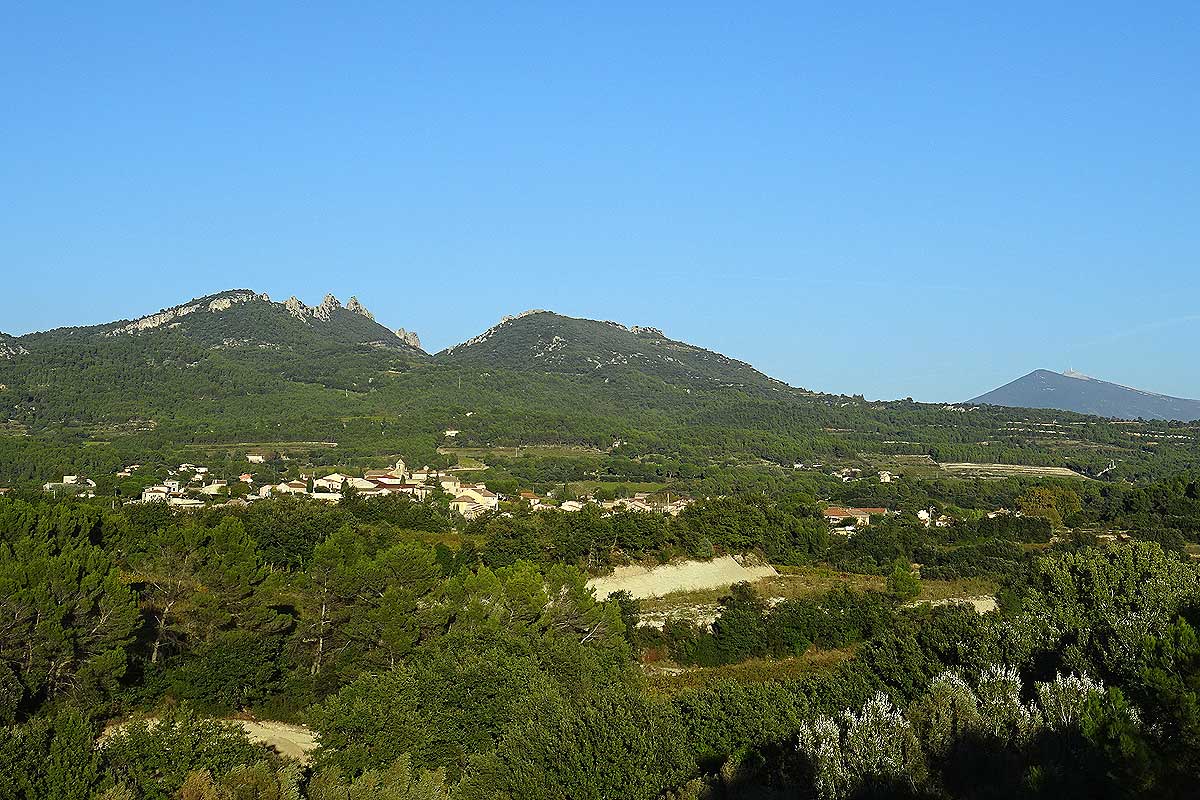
(193, 487)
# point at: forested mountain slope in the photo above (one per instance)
(547, 342)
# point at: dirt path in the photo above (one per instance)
(293, 741)
(685, 576)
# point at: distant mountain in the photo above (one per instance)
(1073, 391)
(543, 341)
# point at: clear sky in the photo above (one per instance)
(923, 201)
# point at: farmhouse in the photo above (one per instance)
(467, 506)
(861, 516)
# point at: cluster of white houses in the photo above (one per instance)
(182, 486)
(469, 499)
(192, 486)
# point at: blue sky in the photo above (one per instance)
(926, 201)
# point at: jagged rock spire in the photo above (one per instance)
(410, 338)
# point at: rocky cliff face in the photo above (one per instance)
(254, 314)
(10, 348)
(213, 304)
(410, 338)
(323, 312)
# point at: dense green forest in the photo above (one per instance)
(438, 659)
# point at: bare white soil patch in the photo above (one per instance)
(682, 576)
(292, 741)
(982, 604)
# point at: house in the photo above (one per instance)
(423, 475)
(929, 517)
(155, 494)
(290, 487)
(632, 504)
(479, 494)
(387, 482)
(886, 477)
(373, 474)
(330, 483)
(185, 503)
(451, 432)
(450, 484)
(72, 484)
(570, 505)
(256, 458)
(417, 490)
(467, 506)
(532, 499)
(326, 497)
(676, 507)
(246, 478)
(861, 516)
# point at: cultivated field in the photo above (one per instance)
(968, 470)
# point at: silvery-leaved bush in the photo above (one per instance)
(1062, 700)
(1002, 712)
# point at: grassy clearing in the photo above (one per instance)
(791, 583)
(278, 447)
(798, 583)
(669, 678)
(469, 462)
(912, 466)
(962, 587)
(588, 487)
(564, 451)
(452, 539)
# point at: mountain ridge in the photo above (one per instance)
(536, 339)
(258, 319)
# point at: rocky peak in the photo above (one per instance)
(329, 305)
(322, 312)
(410, 338)
(358, 308)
